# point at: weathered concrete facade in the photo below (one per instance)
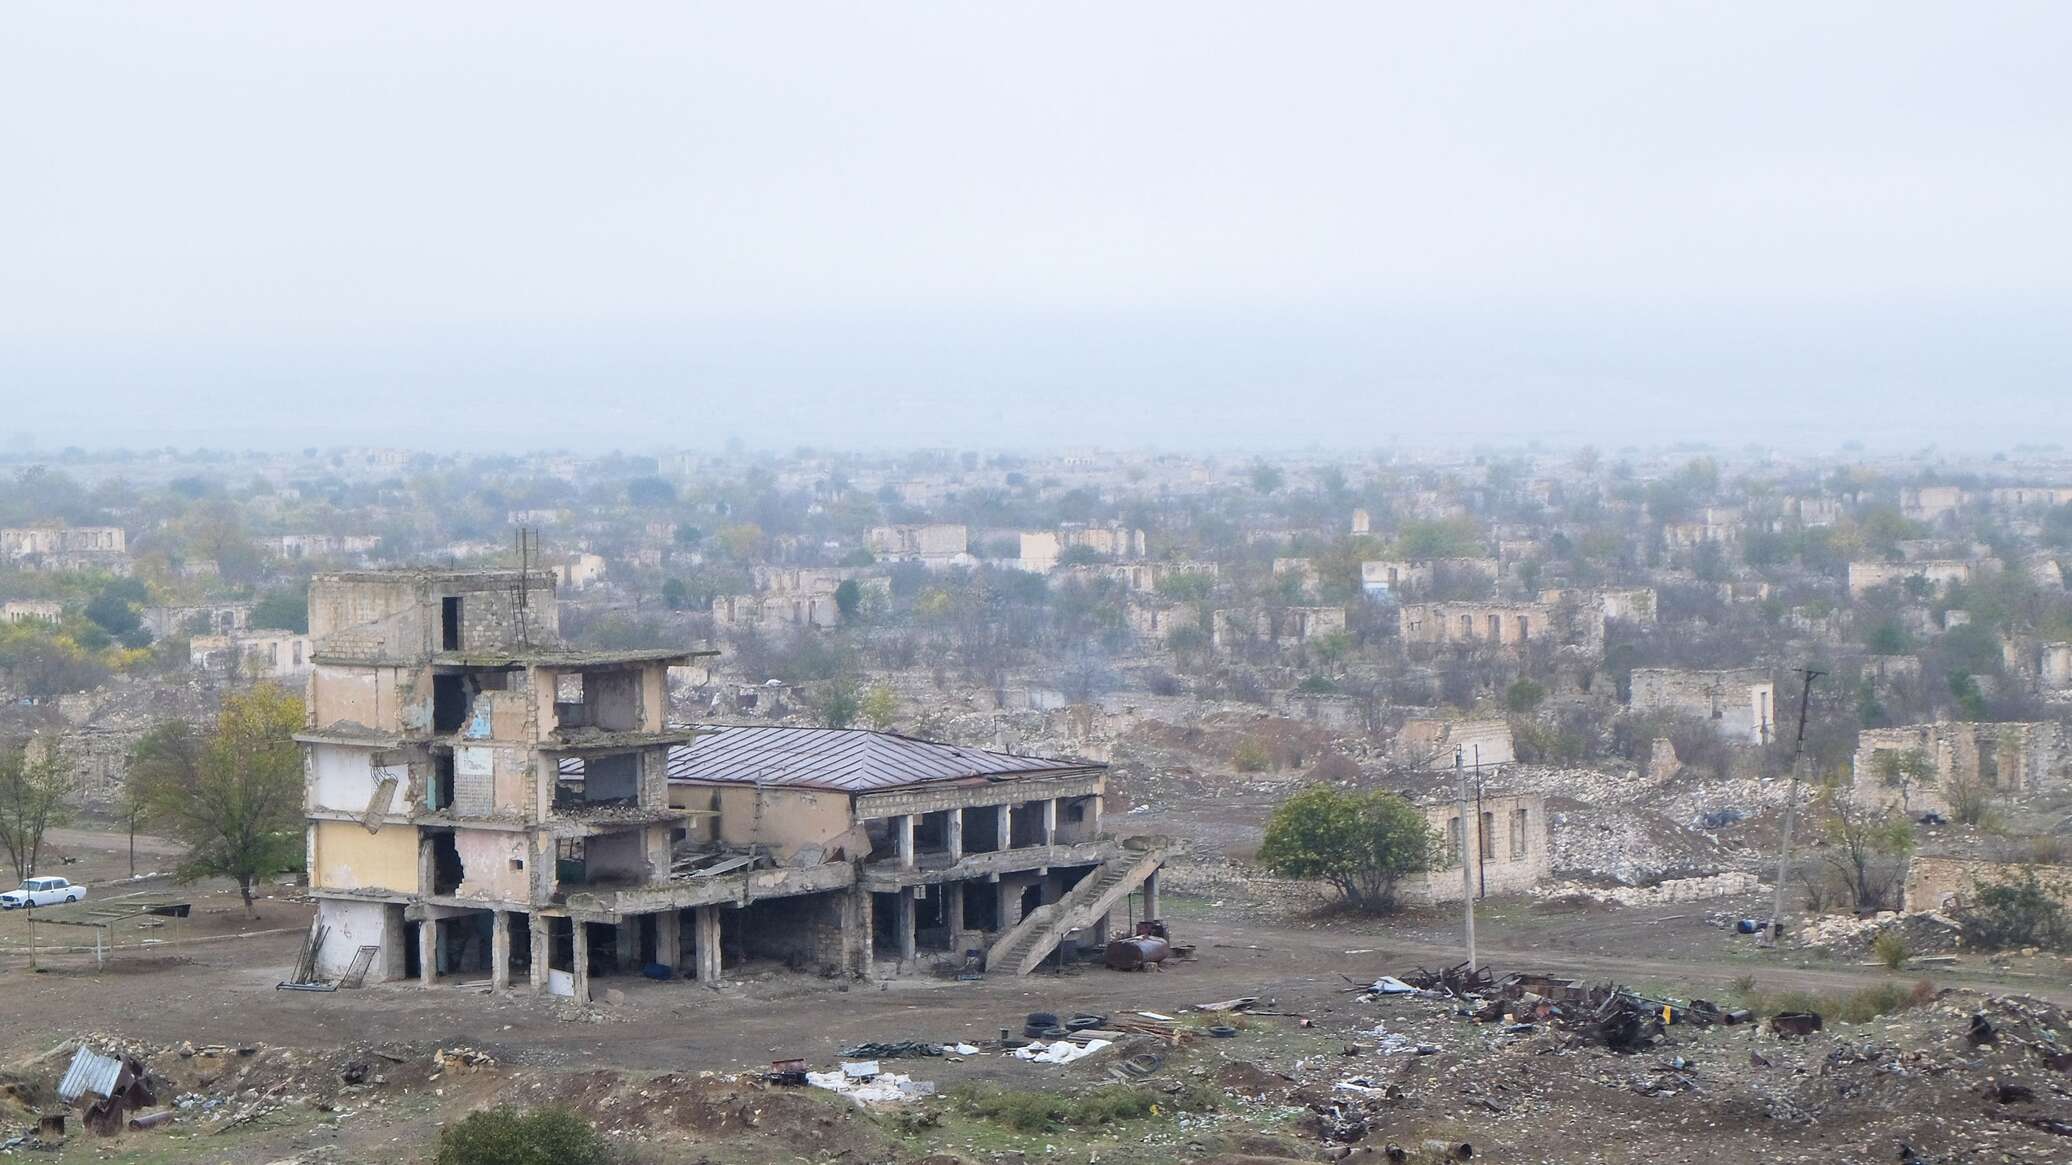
(1999, 759)
(1507, 847)
(1741, 703)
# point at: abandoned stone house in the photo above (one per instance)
(1503, 624)
(1041, 550)
(1740, 702)
(1413, 578)
(1939, 574)
(1431, 743)
(485, 803)
(1945, 883)
(60, 548)
(934, 545)
(275, 655)
(1232, 630)
(32, 611)
(199, 619)
(1930, 502)
(1999, 759)
(1511, 850)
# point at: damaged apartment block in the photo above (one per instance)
(486, 804)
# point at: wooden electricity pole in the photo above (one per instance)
(1775, 929)
(1467, 871)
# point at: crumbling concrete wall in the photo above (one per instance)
(1740, 702)
(1429, 743)
(496, 864)
(344, 856)
(360, 924)
(1940, 574)
(2003, 759)
(1512, 837)
(1944, 884)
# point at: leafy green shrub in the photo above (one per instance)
(1524, 695)
(1030, 1111)
(2020, 911)
(1251, 757)
(1890, 948)
(1361, 843)
(506, 1136)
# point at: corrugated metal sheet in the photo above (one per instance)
(852, 760)
(91, 1074)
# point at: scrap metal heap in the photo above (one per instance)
(1610, 1014)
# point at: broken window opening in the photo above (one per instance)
(440, 795)
(449, 623)
(599, 780)
(447, 871)
(1517, 834)
(449, 702)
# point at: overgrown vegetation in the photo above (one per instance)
(1859, 1006)
(1363, 844)
(2020, 910)
(507, 1136)
(1036, 1111)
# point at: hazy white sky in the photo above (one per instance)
(892, 223)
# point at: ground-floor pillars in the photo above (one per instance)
(705, 940)
(537, 923)
(428, 952)
(1151, 895)
(953, 914)
(859, 919)
(905, 927)
(579, 940)
(626, 944)
(668, 938)
(499, 951)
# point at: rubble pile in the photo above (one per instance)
(1724, 885)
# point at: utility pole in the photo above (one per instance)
(1791, 800)
(1467, 872)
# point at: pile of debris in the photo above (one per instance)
(1611, 1015)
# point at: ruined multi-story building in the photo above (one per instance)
(1504, 624)
(483, 801)
(1938, 574)
(934, 545)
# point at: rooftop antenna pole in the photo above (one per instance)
(1467, 872)
(1775, 930)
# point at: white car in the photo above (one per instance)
(41, 892)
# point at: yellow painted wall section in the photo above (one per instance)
(350, 858)
(790, 818)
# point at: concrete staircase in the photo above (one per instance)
(1024, 947)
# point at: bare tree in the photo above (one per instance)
(32, 791)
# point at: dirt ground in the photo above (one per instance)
(209, 981)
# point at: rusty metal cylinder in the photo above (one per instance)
(1134, 954)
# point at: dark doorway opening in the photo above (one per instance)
(449, 623)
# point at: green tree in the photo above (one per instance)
(1866, 846)
(2018, 911)
(114, 608)
(1266, 477)
(505, 1136)
(849, 598)
(839, 704)
(32, 793)
(650, 491)
(1523, 696)
(880, 706)
(675, 595)
(285, 610)
(1363, 844)
(234, 796)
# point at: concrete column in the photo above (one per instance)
(953, 914)
(537, 924)
(953, 830)
(861, 923)
(499, 951)
(580, 934)
(1093, 817)
(905, 929)
(1004, 825)
(626, 943)
(1151, 895)
(903, 827)
(1009, 909)
(705, 933)
(1050, 821)
(428, 951)
(668, 938)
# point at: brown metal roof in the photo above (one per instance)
(851, 760)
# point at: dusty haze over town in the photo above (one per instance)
(1004, 584)
(1182, 225)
